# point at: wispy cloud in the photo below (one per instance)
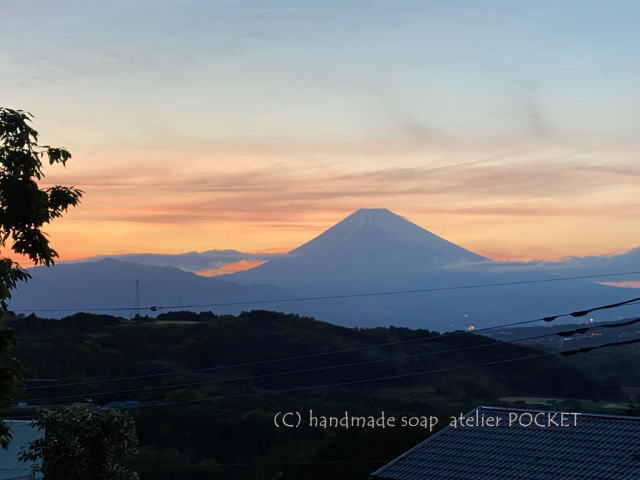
(240, 124)
(273, 195)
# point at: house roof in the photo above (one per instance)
(602, 447)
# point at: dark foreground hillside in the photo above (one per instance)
(204, 388)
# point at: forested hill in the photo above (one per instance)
(224, 429)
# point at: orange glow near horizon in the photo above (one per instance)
(496, 241)
(265, 128)
(630, 284)
(231, 268)
(505, 210)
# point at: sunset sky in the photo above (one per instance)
(510, 128)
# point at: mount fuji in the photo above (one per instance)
(375, 250)
(370, 251)
(370, 248)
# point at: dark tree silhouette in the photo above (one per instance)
(25, 209)
(82, 442)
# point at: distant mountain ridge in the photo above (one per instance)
(372, 250)
(109, 283)
(189, 261)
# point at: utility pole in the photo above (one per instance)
(137, 310)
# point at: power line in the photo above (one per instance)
(617, 324)
(369, 380)
(335, 352)
(285, 372)
(364, 380)
(313, 387)
(335, 384)
(146, 389)
(589, 349)
(155, 308)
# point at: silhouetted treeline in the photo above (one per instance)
(196, 439)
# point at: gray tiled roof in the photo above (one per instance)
(599, 447)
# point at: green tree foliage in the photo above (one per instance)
(25, 209)
(10, 377)
(83, 442)
(205, 440)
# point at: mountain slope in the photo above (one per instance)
(111, 283)
(370, 251)
(369, 232)
(369, 248)
(378, 251)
